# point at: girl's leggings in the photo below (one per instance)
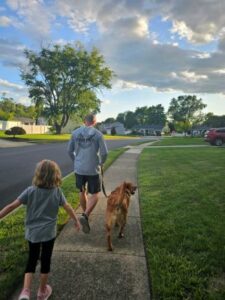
(35, 249)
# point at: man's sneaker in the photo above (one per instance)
(47, 293)
(84, 222)
(24, 295)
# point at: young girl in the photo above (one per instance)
(42, 200)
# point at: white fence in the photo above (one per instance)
(4, 125)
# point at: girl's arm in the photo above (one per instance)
(10, 207)
(68, 208)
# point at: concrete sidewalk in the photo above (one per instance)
(83, 269)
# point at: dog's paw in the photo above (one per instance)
(110, 249)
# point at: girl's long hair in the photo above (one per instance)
(47, 174)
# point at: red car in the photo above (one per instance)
(215, 136)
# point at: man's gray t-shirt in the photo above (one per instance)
(88, 150)
(42, 210)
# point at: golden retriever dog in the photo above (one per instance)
(117, 209)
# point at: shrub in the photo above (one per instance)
(15, 131)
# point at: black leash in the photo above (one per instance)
(103, 186)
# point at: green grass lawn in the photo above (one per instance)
(170, 141)
(182, 198)
(13, 247)
(37, 138)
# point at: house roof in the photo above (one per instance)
(200, 127)
(115, 124)
(24, 120)
(149, 127)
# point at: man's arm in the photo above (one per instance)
(71, 148)
(103, 150)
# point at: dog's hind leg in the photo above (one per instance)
(121, 234)
(108, 234)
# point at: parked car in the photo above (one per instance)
(215, 136)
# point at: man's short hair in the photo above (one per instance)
(90, 118)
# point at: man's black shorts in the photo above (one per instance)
(90, 182)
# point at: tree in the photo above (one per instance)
(7, 104)
(109, 120)
(212, 120)
(63, 81)
(130, 120)
(182, 126)
(156, 115)
(186, 109)
(121, 117)
(141, 115)
(113, 131)
(9, 109)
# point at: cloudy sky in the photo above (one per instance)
(159, 49)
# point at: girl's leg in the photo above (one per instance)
(34, 252)
(46, 254)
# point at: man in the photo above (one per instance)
(88, 151)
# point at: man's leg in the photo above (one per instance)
(92, 201)
(83, 200)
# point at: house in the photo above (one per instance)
(152, 129)
(199, 130)
(119, 128)
(25, 121)
(27, 124)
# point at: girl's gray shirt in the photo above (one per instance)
(42, 207)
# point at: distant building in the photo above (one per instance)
(152, 129)
(199, 130)
(25, 121)
(107, 128)
(27, 124)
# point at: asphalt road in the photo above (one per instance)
(17, 164)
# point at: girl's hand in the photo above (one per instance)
(77, 225)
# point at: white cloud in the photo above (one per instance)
(220, 71)
(198, 21)
(182, 29)
(11, 53)
(192, 76)
(24, 100)
(126, 85)
(137, 55)
(33, 17)
(106, 101)
(5, 21)
(202, 55)
(14, 86)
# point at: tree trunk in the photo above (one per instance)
(58, 129)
